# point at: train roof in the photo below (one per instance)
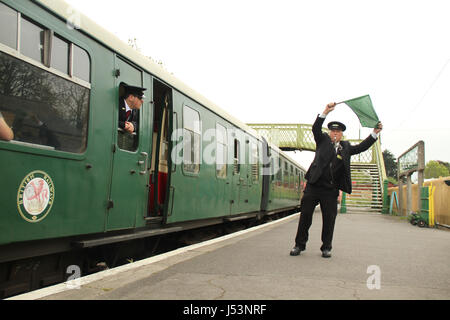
(105, 37)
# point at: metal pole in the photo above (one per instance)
(420, 167)
(408, 195)
(400, 192)
(343, 203)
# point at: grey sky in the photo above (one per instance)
(283, 61)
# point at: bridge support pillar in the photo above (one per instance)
(385, 197)
(343, 203)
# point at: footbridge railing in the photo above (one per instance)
(368, 170)
(288, 137)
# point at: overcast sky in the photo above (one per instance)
(283, 61)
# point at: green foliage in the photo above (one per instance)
(392, 180)
(435, 169)
(446, 164)
(390, 163)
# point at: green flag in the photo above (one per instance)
(363, 108)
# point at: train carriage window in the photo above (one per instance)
(43, 108)
(272, 175)
(221, 151)
(280, 172)
(254, 162)
(192, 140)
(60, 55)
(286, 175)
(32, 40)
(8, 26)
(292, 178)
(237, 157)
(81, 64)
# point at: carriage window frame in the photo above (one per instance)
(195, 131)
(26, 47)
(286, 176)
(56, 57)
(279, 177)
(44, 64)
(292, 177)
(5, 9)
(254, 162)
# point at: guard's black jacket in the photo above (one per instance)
(325, 153)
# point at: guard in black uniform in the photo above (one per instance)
(328, 173)
(129, 104)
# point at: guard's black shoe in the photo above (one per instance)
(295, 251)
(326, 254)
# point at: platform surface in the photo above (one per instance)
(374, 257)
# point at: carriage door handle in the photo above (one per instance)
(145, 154)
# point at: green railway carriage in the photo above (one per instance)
(71, 177)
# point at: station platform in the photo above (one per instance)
(374, 257)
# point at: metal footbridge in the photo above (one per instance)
(367, 169)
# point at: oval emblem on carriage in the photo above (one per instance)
(35, 196)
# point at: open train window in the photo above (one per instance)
(191, 140)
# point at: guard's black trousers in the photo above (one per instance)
(328, 205)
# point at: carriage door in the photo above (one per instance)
(129, 190)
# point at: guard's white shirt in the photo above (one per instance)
(126, 106)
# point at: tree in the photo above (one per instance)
(390, 164)
(435, 169)
(446, 164)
